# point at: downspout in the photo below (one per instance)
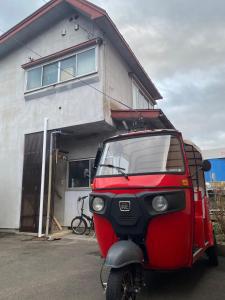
(42, 177)
(49, 186)
(106, 101)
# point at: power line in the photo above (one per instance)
(70, 74)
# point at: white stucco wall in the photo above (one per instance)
(79, 105)
(71, 104)
(117, 79)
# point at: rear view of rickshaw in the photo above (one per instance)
(150, 207)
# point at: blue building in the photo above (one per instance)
(217, 159)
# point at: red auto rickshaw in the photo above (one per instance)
(150, 207)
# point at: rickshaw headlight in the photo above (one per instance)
(159, 203)
(98, 204)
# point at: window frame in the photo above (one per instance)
(58, 60)
(147, 173)
(68, 172)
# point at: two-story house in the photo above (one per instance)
(69, 63)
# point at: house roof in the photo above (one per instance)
(53, 11)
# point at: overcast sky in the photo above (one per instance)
(181, 44)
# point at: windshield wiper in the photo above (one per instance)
(119, 169)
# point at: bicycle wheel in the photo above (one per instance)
(79, 225)
(90, 226)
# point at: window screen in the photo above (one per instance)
(34, 78)
(50, 74)
(68, 68)
(86, 62)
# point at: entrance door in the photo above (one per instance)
(32, 183)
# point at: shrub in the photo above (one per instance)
(220, 213)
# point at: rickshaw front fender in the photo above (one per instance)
(124, 253)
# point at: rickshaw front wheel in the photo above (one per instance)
(120, 285)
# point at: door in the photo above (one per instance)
(32, 183)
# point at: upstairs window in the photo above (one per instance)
(140, 101)
(85, 62)
(34, 78)
(77, 65)
(50, 74)
(68, 68)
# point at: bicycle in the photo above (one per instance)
(82, 224)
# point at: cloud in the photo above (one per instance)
(196, 105)
(181, 44)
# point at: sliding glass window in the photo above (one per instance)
(80, 64)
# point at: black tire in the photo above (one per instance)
(90, 227)
(212, 254)
(88, 231)
(79, 225)
(120, 285)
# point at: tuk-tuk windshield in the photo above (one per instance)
(143, 154)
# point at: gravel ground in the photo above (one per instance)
(69, 269)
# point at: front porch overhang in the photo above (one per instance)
(140, 119)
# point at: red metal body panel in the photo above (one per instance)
(105, 235)
(169, 239)
(199, 234)
(137, 182)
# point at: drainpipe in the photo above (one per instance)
(49, 185)
(42, 177)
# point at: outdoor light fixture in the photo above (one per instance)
(98, 204)
(76, 27)
(160, 204)
(63, 32)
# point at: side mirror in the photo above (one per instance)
(206, 165)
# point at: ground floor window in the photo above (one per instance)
(80, 173)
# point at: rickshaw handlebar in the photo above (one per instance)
(82, 198)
